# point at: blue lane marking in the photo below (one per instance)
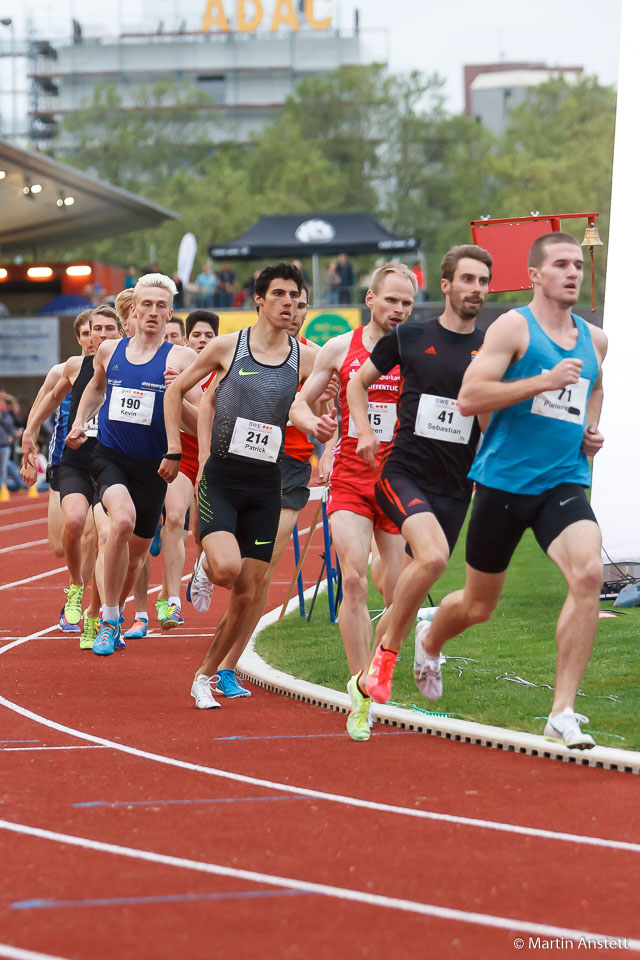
(166, 803)
(19, 741)
(171, 898)
(315, 736)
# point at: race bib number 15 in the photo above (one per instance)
(382, 418)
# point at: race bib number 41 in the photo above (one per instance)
(260, 441)
(569, 403)
(440, 419)
(132, 406)
(382, 418)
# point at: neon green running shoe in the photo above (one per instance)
(89, 632)
(358, 725)
(73, 604)
(162, 610)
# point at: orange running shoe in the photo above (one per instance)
(380, 675)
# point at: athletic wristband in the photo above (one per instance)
(172, 456)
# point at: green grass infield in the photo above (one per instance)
(517, 642)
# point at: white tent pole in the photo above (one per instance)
(616, 496)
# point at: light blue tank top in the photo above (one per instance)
(535, 445)
(131, 419)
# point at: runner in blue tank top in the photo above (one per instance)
(55, 522)
(239, 495)
(539, 371)
(130, 377)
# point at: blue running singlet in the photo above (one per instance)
(131, 419)
(535, 445)
(59, 432)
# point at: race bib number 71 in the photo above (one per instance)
(569, 403)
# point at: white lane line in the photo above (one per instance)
(25, 506)
(16, 953)
(23, 546)
(38, 576)
(32, 636)
(331, 797)
(323, 889)
(75, 746)
(23, 523)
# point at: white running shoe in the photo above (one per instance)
(201, 692)
(565, 728)
(200, 588)
(427, 671)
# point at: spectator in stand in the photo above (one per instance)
(206, 282)
(178, 300)
(226, 286)
(130, 279)
(7, 438)
(419, 274)
(331, 282)
(347, 279)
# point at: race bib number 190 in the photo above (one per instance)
(260, 441)
(132, 406)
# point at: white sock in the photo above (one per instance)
(142, 616)
(110, 613)
(174, 600)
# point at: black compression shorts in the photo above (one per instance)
(109, 467)
(242, 500)
(295, 476)
(72, 479)
(52, 476)
(499, 519)
(400, 497)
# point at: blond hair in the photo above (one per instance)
(401, 269)
(155, 280)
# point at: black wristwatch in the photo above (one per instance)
(172, 456)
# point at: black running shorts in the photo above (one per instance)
(400, 497)
(109, 467)
(72, 479)
(244, 500)
(499, 519)
(295, 476)
(52, 476)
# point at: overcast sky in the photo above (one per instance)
(430, 35)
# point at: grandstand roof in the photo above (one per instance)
(32, 221)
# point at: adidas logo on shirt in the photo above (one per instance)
(355, 363)
(431, 350)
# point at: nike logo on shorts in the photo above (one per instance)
(262, 543)
(563, 503)
(248, 373)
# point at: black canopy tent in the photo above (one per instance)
(314, 235)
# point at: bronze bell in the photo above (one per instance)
(591, 237)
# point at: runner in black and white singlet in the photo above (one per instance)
(423, 485)
(130, 377)
(75, 485)
(240, 491)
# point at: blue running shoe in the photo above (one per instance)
(173, 618)
(108, 636)
(66, 626)
(138, 630)
(156, 543)
(228, 684)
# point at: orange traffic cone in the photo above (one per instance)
(33, 492)
(4, 494)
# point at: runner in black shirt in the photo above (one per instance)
(423, 486)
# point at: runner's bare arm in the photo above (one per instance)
(301, 413)
(48, 403)
(357, 400)
(217, 355)
(506, 340)
(178, 360)
(92, 395)
(205, 420)
(592, 439)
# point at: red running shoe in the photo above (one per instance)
(380, 675)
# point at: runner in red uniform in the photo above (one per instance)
(355, 515)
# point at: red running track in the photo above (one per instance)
(132, 825)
